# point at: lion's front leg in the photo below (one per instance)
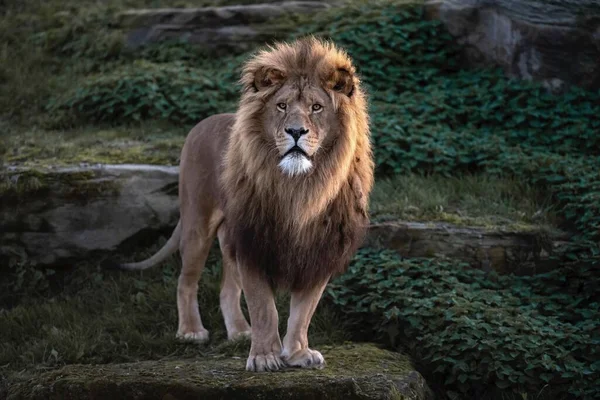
(265, 350)
(296, 352)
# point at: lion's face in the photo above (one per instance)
(300, 119)
(300, 98)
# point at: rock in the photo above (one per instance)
(352, 372)
(556, 42)
(51, 216)
(237, 26)
(499, 249)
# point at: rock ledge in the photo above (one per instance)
(352, 372)
(61, 215)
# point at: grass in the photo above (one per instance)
(50, 63)
(47, 45)
(477, 200)
(111, 316)
(146, 143)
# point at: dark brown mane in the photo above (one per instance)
(323, 250)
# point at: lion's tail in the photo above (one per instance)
(169, 248)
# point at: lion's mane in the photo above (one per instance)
(298, 231)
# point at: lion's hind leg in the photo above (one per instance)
(296, 352)
(196, 240)
(231, 292)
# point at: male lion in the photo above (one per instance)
(284, 184)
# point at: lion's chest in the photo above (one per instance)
(299, 258)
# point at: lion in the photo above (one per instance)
(284, 185)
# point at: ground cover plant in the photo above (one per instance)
(480, 335)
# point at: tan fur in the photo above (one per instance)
(277, 227)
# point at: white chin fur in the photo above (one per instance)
(295, 164)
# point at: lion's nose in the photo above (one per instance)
(296, 132)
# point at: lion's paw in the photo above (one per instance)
(304, 358)
(239, 335)
(264, 362)
(200, 336)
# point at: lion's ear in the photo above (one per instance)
(342, 81)
(267, 77)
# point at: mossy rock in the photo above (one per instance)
(353, 371)
(52, 215)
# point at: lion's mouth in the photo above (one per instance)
(295, 161)
(296, 150)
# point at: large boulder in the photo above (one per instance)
(235, 26)
(50, 216)
(553, 41)
(362, 372)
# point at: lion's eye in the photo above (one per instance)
(317, 107)
(281, 106)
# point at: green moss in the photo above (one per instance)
(37, 183)
(17, 185)
(90, 315)
(352, 371)
(101, 318)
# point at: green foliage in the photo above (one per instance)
(394, 47)
(49, 47)
(145, 90)
(479, 333)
